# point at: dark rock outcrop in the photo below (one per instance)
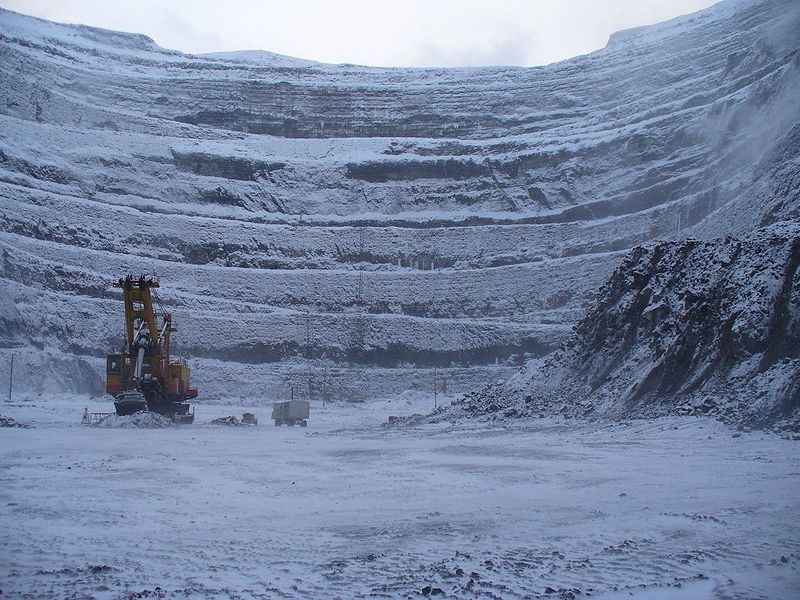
(687, 327)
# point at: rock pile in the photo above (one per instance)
(230, 421)
(139, 420)
(685, 327)
(9, 422)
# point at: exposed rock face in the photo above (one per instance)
(698, 327)
(336, 226)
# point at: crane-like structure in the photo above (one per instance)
(143, 376)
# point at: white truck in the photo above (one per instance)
(292, 412)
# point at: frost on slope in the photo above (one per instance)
(475, 209)
(693, 327)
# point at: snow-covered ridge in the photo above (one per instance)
(261, 57)
(366, 223)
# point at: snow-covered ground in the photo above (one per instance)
(670, 508)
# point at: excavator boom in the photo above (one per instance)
(143, 376)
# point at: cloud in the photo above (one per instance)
(383, 33)
(513, 50)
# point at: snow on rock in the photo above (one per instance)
(694, 327)
(9, 422)
(139, 420)
(229, 420)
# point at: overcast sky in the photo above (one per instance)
(374, 32)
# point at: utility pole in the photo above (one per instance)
(309, 375)
(360, 314)
(11, 377)
(360, 269)
(435, 388)
(308, 333)
(360, 324)
(323, 383)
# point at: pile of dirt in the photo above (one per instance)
(248, 419)
(686, 327)
(9, 422)
(230, 421)
(139, 420)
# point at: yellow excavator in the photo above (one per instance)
(143, 377)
